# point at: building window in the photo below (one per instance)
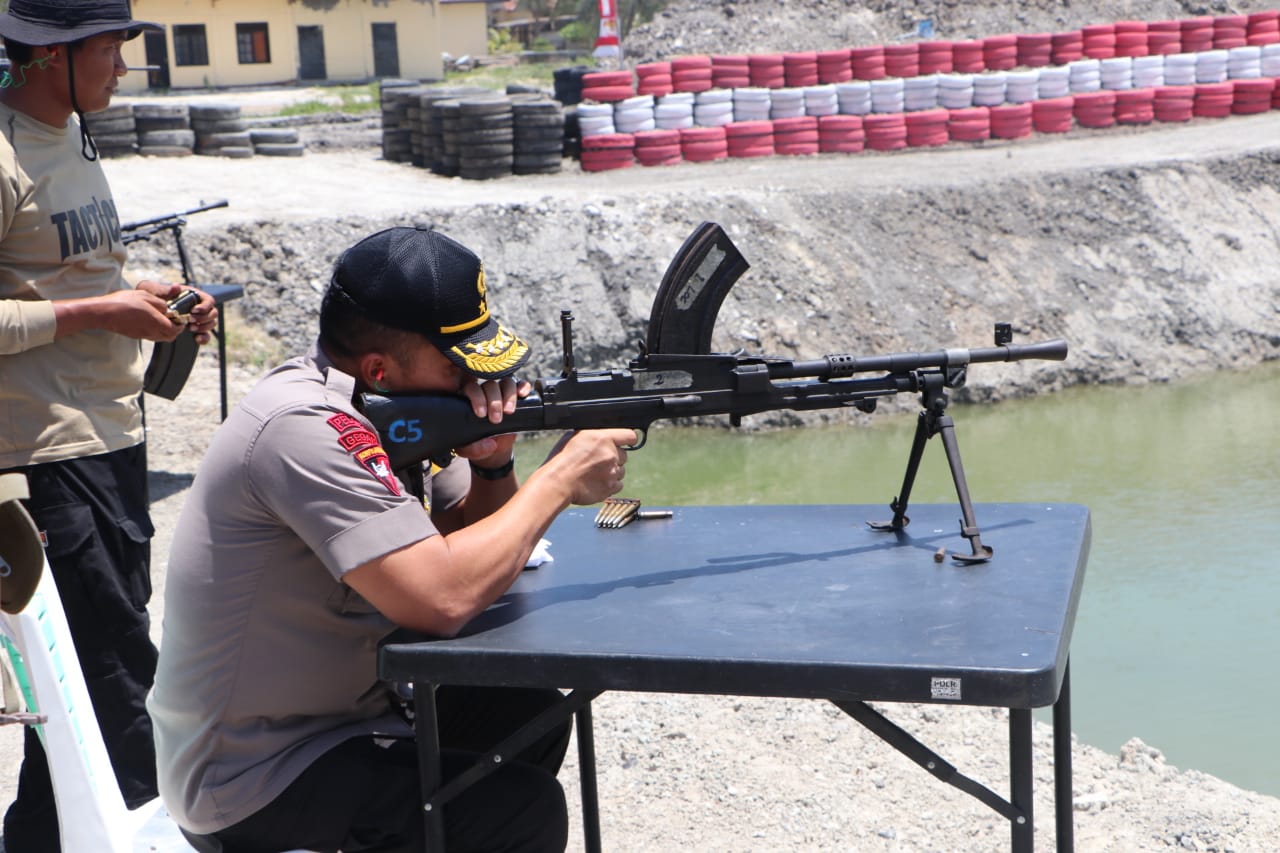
(252, 44)
(189, 45)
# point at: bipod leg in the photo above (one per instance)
(926, 425)
(969, 526)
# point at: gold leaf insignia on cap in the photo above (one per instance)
(501, 352)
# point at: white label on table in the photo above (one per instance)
(945, 688)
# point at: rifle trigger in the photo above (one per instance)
(643, 432)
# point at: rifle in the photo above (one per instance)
(171, 361)
(675, 375)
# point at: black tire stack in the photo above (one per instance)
(567, 84)
(429, 129)
(445, 114)
(220, 131)
(538, 138)
(396, 97)
(277, 142)
(114, 130)
(164, 130)
(485, 137)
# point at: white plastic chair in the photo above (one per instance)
(91, 812)
(92, 816)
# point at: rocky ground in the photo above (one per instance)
(1152, 251)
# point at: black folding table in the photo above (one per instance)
(783, 601)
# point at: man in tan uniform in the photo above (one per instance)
(71, 367)
(298, 550)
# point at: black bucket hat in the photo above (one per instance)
(44, 22)
(419, 280)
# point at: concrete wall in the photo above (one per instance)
(347, 33)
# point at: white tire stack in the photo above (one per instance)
(920, 93)
(596, 120)
(634, 115)
(854, 97)
(751, 103)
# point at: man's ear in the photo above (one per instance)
(373, 369)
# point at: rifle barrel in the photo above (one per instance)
(836, 366)
(143, 223)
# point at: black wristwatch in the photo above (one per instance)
(501, 472)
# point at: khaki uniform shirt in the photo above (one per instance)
(59, 239)
(268, 660)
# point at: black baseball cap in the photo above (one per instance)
(44, 22)
(419, 280)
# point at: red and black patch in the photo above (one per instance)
(364, 446)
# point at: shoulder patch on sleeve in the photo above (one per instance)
(364, 448)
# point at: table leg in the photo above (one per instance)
(427, 729)
(1062, 788)
(587, 780)
(1020, 780)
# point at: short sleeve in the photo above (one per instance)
(324, 474)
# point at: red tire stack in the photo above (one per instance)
(1135, 106)
(608, 151)
(1035, 50)
(607, 86)
(1000, 53)
(749, 138)
(657, 147)
(936, 57)
(841, 134)
(1052, 115)
(1275, 99)
(1264, 27)
(800, 69)
(1230, 31)
(798, 135)
(966, 57)
(1173, 103)
(972, 124)
(867, 63)
(1164, 37)
(766, 71)
(691, 73)
(902, 60)
(1095, 109)
(1066, 47)
(1197, 34)
(885, 131)
(703, 144)
(1099, 40)
(927, 128)
(1131, 38)
(1011, 121)
(834, 66)
(730, 72)
(653, 78)
(1252, 95)
(1213, 100)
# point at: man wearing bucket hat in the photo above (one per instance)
(298, 550)
(71, 367)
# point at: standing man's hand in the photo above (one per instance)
(141, 313)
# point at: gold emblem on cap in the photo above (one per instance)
(483, 309)
(501, 352)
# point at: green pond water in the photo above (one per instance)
(1177, 639)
